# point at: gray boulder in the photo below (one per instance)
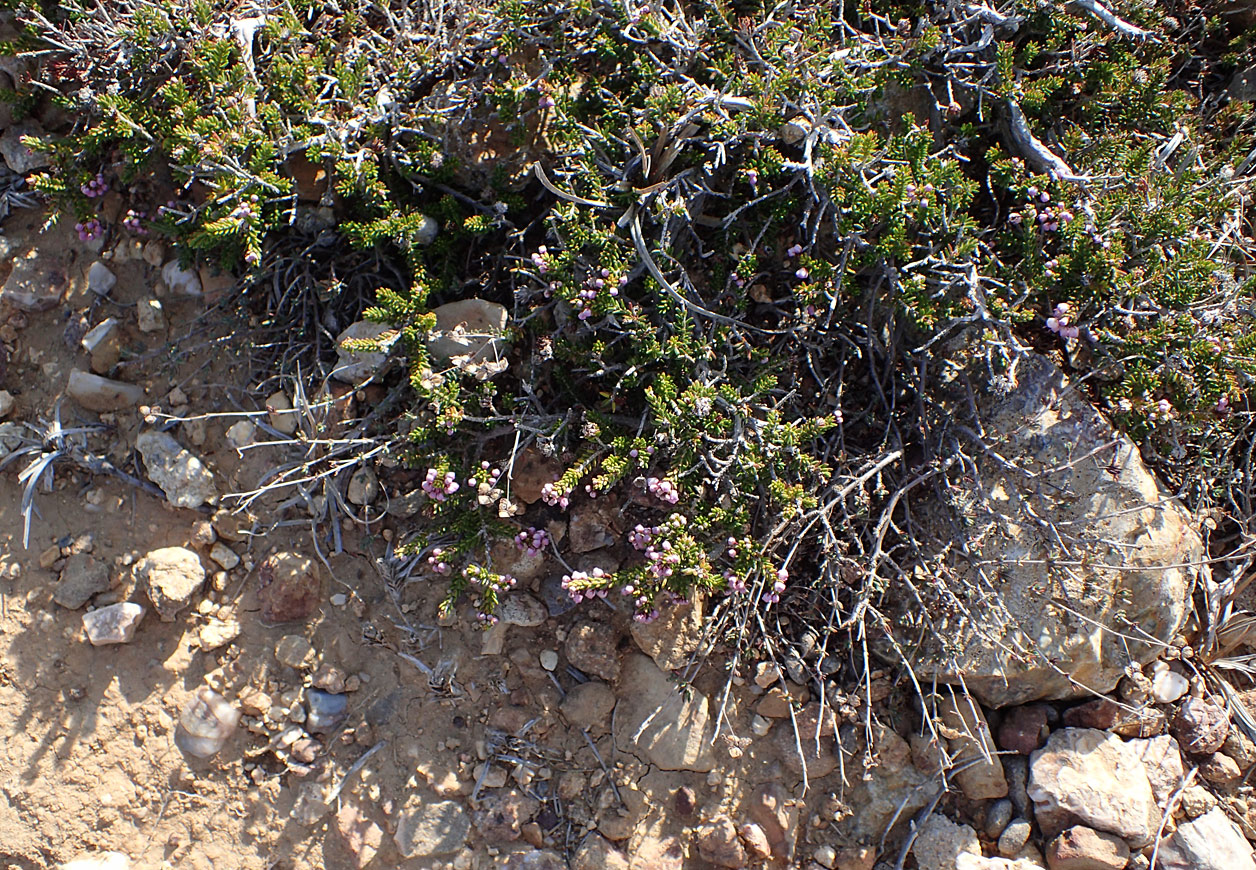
(1059, 559)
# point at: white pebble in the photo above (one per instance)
(339, 599)
(1167, 685)
(549, 659)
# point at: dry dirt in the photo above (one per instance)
(88, 761)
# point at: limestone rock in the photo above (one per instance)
(940, 843)
(363, 486)
(100, 280)
(1210, 842)
(113, 624)
(183, 282)
(672, 638)
(1089, 777)
(81, 578)
(970, 746)
(670, 728)
(184, 479)
(432, 829)
(103, 342)
(150, 315)
(101, 394)
(172, 575)
(20, 158)
(1130, 540)
(36, 282)
(469, 327)
(356, 366)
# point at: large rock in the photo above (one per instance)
(1210, 842)
(669, 728)
(1089, 777)
(184, 479)
(173, 575)
(1077, 550)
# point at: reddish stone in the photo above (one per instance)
(291, 588)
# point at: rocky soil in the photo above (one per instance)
(184, 684)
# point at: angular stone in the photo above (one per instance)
(670, 728)
(529, 474)
(356, 366)
(81, 578)
(537, 859)
(35, 283)
(20, 158)
(719, 843)
(471, 327)
(1089, 777)
(779, 816)
(100, 280)
(1024, 729)
(970, 746)
(104, 345)
(432, 829)
(1137, 547)
(183, 282)
(522, 609)
(294, 651)
(182, 476)
(1210, 842)
(588, 705)
(940, 843)
(672, 638)
(593, 648)
(172, 576)
(291, 588)
(596, 853)
(656, 853)
(101, 394)
(1082, 848)
(150, 316)
(1200, 726)
(363, 486)
(113, 624)
(280, 413)
(502, 815)
(1162, 760)
(361, 835)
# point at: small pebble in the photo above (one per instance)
(339, 599)
(825, 856)
(549, 659)
(224, 555)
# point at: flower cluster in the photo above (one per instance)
(918, 195)
(663, 490)
(774, 595)
(661, 558)
(593, 286)
(540, 259)
(439, 488)
(436, 561)
(485, 486)
(1058, 322)
(553, 494)
(586, 585)
(96, 187)
(532, 540)
(132, 221)
(89, 230)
